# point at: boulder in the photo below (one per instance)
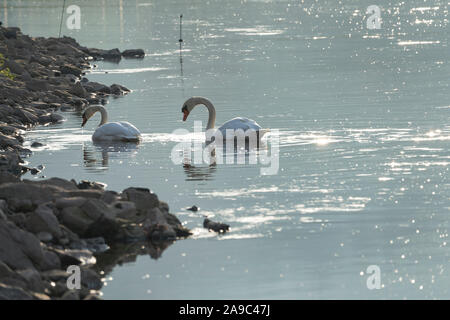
(133, 53)
(14, 293)
(20, 249)
(43, 220)
(142, 198)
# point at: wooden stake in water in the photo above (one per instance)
(62, 16)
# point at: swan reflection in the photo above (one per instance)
(96, 156)
(214, 153)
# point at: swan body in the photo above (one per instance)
(122, 131)
(232, 125)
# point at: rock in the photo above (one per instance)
(20, 249)
(14, 293)
(193, 208)
(43, 220)
(33, 279)
(96, 87)
(133, 53)
(44, 236)
(62, 203)
(57, 182)
(119, 90)
(20, 205)
(33, 192)
(70, 295)
(111, 55)
(37, 85)
(90, 279)
(66, 258)
(84, 184)
(142, 198)
(92, 297)
(70, 69)
(75, 219)
(104, 227)
(78, 90)
(215, 226)
(37, 144)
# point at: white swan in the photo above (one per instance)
(233, 124)
(111, 131)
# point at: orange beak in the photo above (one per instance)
(185, 115)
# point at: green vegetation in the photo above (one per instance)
(5, 71)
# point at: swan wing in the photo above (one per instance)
(240, 123)
(117, 131)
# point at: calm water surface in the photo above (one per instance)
(364, 134)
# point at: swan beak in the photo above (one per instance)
(84, 122)
(186, 114)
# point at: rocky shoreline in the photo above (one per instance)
(48, 225)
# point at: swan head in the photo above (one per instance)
(191, 103)
(90, 111)
(187, 108)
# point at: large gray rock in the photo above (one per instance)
(143, 198)
(20, 249)
(36, 193)
(76, 219)
(14, 293)
(43, 220)
(37, 85)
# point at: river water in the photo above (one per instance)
(363, 121)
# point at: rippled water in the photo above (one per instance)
(364, 135)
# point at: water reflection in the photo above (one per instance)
(126, 253)
(96, 156)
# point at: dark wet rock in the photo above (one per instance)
(193, 208)
(113, 55)
(78, 90)
(37, 144)
(96, 87)
(44, 236)
(142, 198)
(133, 53)
(119, 90)
(43, 220)
(215, 226)
(14, 293)
(70, 69)
(21, 249)
(70, 295)
(85, 184)
(37, 85)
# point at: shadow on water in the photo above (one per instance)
(126, 253)
(96, 157)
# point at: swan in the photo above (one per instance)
(111, 131)
(233, 124)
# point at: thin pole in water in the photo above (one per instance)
(181, 41)
(62, 16)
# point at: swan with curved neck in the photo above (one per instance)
(111, 131)
(233, 124)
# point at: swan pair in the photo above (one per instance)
(126, 132)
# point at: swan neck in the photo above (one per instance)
(104, 114)
(212, 114)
